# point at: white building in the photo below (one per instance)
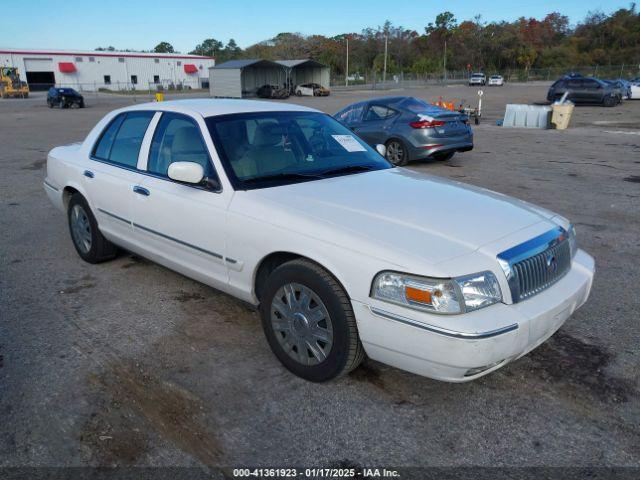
(92, 70)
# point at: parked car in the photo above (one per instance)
(312, 89)
(618, 88)
(585, 90)
(496, 81)
(410, 129)
(635, 88)
(64, 98)
(477, 79)
(272, 91)
(343, 254)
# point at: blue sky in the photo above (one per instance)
(141, 25)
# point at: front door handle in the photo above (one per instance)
(88, 174)
(141, 191)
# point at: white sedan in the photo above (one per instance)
(496, 81)
(344, 255)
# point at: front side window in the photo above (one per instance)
(177, 139)
(267, 149)
(120, 142)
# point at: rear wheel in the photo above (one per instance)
(309, 323)
(397, 152)
(89, 242)
(609, 101)
(298, 93)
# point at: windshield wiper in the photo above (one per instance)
(282, 176)
(346, 169)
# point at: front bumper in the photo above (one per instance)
(409, 340)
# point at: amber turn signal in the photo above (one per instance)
(417, 295)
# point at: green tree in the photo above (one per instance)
(164, 47)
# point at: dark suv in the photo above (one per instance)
(64, 98)
(585, 90)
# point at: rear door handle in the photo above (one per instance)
(141, 191)
(88, 174)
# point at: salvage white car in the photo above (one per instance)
(496, 81)
(344, 254)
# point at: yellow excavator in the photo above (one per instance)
(11, 85)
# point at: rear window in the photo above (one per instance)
(120, 142)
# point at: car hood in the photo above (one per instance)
(401, 214)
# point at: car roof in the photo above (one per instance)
(210, 107)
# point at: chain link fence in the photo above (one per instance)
(376, 80)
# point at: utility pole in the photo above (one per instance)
(384, 71)
(444, 61)
(346, 70)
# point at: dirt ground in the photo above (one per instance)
(127, 363)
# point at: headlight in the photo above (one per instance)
(573, 241)
(437, 295)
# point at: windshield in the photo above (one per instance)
(266, 149)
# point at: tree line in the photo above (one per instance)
(525, 43)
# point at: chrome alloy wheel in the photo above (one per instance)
(81, 228)
(301, 324)
(395, 152)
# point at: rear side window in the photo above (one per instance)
(120, 142)
(351, 115)
(378, 112)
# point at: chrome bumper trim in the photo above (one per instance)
(442, 331)
(47, 184)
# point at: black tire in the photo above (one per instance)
(100, 248)
(609, 101)
(444, 156)
(298, 93)
(398, 160)
(346, 351)
(50, 104)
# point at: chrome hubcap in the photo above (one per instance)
(301, 324)
(81, 228)
(395, 153)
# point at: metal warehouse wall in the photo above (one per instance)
(254, 78)
(225, 82)
(300, 75)
(91, 69)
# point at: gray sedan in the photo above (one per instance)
(410, 128)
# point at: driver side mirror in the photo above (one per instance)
(187, 172)
(381, 149)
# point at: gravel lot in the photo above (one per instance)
(127, 363)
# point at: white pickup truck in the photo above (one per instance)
(343, 253)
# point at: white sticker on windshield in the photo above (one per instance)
(349, 143)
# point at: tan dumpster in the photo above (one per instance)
(561, 115)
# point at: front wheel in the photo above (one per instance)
(609, 101)
(89, 242)
(298, 93)
(309, 323)
(397, 153)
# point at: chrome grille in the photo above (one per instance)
(536, 273)
(536, 264)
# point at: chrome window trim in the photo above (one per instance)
(442, 331)
(508, 258)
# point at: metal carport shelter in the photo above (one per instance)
(242, 78)
(306, 71)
